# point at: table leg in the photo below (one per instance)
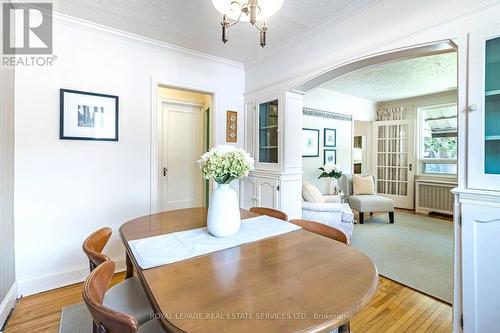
(345, 328)
(130, 267)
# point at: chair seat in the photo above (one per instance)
(371, 203)
(129, 297)
(152, 326)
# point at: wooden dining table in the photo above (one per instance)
(294, 282)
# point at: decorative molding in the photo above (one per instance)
(326, 114)
(60, 279)
(144, 40)
(8, 303)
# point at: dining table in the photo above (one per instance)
(297, 281)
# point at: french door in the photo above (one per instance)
(394, 151)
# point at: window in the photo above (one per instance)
(438, 139)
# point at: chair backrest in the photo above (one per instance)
(269, 212)
(93, 245)
(105, 319)
(322, 229)
(346, 184)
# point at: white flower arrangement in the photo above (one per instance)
(225, 164)
(331, 170)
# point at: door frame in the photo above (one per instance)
(155, 129)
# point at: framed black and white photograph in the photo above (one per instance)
(330, 137)
(330, 156)
(310, 142)
(88, 116)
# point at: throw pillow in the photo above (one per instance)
(363, 185)
(310, 193)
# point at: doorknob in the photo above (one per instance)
(165, 172)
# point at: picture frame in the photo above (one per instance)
(88, 116)
(310, 142)
(330, 137)
(330, 156)
(231, 126)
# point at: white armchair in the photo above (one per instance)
(330, 212)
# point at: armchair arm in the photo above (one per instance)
(322, 207)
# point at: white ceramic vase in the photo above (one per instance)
(223, 218)
(334, 186)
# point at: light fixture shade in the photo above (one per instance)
(232, 9)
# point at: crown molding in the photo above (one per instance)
(67, 19)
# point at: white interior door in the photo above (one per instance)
(394, 144)
(181, 184)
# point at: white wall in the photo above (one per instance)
(323, 99)
(67, 189)
(310, 165)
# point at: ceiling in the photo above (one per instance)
(195, 24)
(400, 79)
(442, 119)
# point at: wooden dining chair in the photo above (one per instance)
(269, 212)
(93, 246)
(108, 320)
(322, 229)
(127, 296)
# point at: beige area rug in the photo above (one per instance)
(416, 251)
(75, 319)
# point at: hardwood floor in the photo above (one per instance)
(395, 308)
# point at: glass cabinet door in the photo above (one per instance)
(268, 132)
(492, 107)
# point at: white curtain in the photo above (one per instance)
(395, 113)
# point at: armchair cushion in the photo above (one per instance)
(371, 203)
(332, 199)
(322, 207)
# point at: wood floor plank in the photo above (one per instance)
(395, 308)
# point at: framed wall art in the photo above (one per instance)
(310, 142)
(231, 126)
(330, 137)
(330, 156)
(88, 116)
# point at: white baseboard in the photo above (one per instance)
(8, 303)
(56, 280)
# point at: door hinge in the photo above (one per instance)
(462, 321)
(278, 187)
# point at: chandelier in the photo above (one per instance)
(253, 11)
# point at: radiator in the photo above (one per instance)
(434, 196)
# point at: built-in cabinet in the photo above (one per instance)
(477, 210)
(271, 127)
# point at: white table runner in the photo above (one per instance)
(165, 249)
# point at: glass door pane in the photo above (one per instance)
(268, 132)
(492, 107)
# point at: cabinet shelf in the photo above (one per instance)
(268, 127)
(492, 137)
(268, 147)
(493, 93)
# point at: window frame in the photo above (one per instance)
(420, 144)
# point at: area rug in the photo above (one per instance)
(75, 319)
(416, 251)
